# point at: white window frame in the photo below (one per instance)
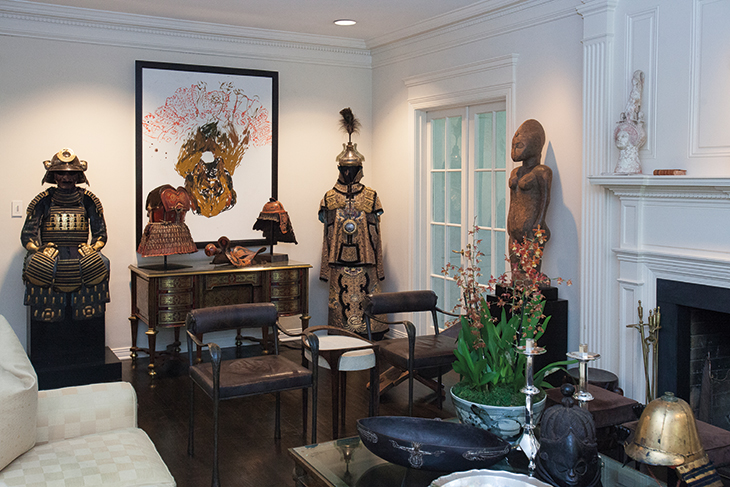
(492, 80)
(468, 172)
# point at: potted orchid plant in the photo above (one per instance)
(491, 367)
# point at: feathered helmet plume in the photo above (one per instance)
(349, 123)
(349, 155)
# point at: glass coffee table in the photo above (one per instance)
(348, 463)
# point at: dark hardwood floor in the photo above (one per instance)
(249, 454)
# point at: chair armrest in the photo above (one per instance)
(402, 322)
(70, 412)
(410, 327)
(311, 341)
(213, 349)
(447, 312)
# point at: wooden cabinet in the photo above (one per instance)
(162, 298)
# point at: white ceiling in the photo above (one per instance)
(376, 19)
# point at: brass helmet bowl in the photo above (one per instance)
(350, 156)
(666, 434)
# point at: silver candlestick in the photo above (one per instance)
(583, 356)
(528, 442)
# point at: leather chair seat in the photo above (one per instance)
(254, 375)
(430, 351)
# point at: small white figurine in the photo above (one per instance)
(629, 134)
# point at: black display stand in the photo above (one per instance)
(555, 339)
(72, 353)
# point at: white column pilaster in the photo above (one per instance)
(597, 314)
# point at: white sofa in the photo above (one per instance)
(88, 435)
(73, 436)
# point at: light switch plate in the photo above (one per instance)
(16, 209)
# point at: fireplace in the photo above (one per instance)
(647, 230)
(694, 347)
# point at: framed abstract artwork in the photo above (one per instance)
(213, 131)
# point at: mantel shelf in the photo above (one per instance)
(679, 187)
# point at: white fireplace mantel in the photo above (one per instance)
(679, 187)
(658, 227)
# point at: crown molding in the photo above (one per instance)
(74, 24)
(459, 16)
(458, 33)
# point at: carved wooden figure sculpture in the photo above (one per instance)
(529, 186)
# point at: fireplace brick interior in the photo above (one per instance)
(695, 325)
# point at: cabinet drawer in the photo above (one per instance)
(287, 306)
(285, 291)
(175, 300)
(179, 283)
(172, 317)
(284, 275)
(237, 279)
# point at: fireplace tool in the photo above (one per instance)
(583, 356)
(649, 339)
(528, 442)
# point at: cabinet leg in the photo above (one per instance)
(134, 324)
(176, 345)
(151, 339)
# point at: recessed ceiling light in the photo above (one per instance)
(345, 22)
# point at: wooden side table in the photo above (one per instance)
(162, 298)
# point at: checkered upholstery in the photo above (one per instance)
(123, 457)
(87, 436)
(75, 411)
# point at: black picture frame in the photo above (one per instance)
(177, 105)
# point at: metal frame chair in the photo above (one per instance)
(240, 377)
(413, 353)
(340, 351)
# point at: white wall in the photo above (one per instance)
(56, 92)
(548, 77)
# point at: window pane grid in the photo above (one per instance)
(468, 184)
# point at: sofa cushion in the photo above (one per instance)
(18, 397)
(124, 457)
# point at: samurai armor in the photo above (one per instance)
(67, 226)
(275, 223)
(166, 233)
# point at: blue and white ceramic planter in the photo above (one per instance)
(506, 422)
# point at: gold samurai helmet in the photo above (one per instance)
(64, 161)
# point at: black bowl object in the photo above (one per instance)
(431, 444)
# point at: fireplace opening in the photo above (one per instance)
(694, 348)
(710, 367)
